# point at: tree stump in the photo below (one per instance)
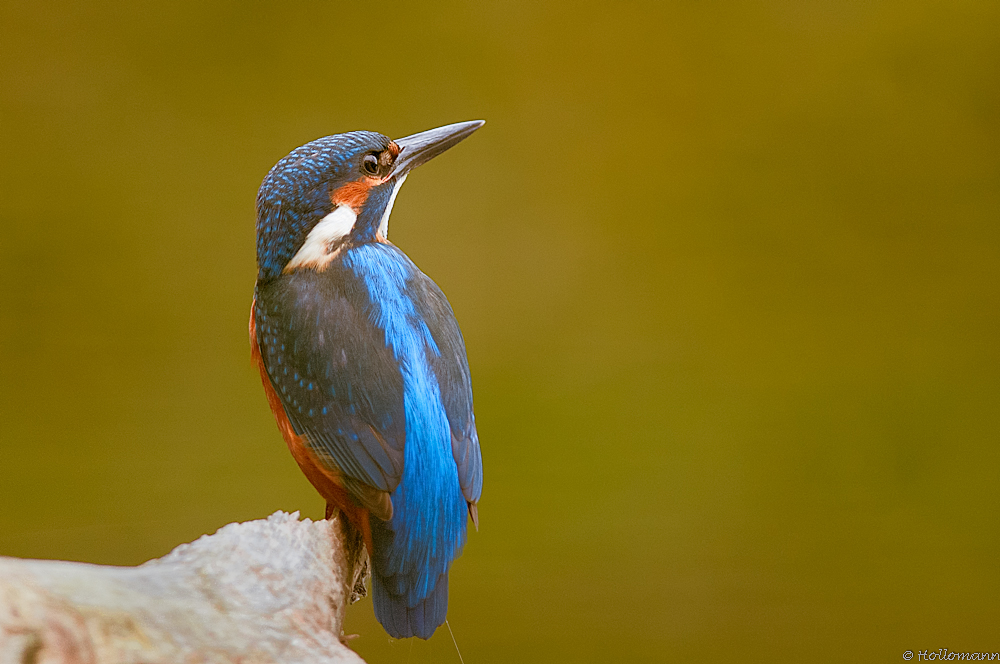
(272, 590)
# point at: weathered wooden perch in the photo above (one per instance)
(273, 590)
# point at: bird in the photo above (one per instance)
(364, 365)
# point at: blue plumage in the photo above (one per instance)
(427, 530)
(364, 356)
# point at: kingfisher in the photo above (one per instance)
(364, 365)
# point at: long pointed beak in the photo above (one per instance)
(420, 148)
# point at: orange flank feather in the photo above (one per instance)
(325, 480)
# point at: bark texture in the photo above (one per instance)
(273, 590)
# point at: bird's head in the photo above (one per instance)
(335, 191)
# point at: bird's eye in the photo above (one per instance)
(370, 164)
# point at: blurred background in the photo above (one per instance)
(728, 275)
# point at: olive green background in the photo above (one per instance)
(728, 274)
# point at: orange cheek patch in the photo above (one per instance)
(353, 194)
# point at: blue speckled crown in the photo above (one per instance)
(295, 193)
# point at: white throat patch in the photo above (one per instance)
(315, 251)
(383, 224)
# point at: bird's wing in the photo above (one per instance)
(338, 382)
(451, 367)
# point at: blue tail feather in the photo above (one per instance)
(402, 621)
(410, 596)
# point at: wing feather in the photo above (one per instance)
(340, 386)
(451, 367)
